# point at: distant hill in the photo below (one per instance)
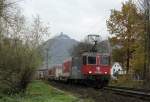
(58, 49)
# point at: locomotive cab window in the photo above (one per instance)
(105, 60)
(84, 60)
(91, 60)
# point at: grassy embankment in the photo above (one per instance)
(126, 81)
(40, 92)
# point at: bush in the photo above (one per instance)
(17, 65)
(19, 42)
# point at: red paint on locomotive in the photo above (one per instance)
(95, 70)
(98, 68)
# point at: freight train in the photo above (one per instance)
(91, 68)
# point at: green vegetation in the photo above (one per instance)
(39, 91)
(16, 68)
(127, 29)
(19, 48)
(125, 81)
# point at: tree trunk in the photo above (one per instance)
(147, 45)
(128, 59)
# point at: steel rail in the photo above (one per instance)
(138, 93)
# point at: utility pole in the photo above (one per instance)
(46, 63)
(47, 58)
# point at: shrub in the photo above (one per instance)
(17, 65)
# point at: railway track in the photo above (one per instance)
(97, 95)
(138, 93)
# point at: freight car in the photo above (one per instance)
(55, 72)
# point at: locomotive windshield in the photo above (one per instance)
(105, 60)
(91, 60)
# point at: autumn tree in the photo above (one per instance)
(144, 6)
(125, 26)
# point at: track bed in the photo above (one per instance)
(94, 95)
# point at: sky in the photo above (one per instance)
(76, 18)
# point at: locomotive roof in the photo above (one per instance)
(94, 54)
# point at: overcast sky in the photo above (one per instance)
(76, 18)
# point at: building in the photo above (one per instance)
(41, 74)
(117, 70)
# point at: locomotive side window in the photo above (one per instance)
(84, 60)
(91, 60)
(105, 60)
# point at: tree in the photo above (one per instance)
(145, 9)
(19, 53)
(37, 31)
(125, 26)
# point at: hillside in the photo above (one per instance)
(58, 49)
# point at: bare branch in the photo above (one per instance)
(9, 4)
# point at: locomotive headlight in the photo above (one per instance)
(105, 72)
(90, 72)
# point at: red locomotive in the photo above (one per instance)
(92, 68)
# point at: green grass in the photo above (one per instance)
(39, 91)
